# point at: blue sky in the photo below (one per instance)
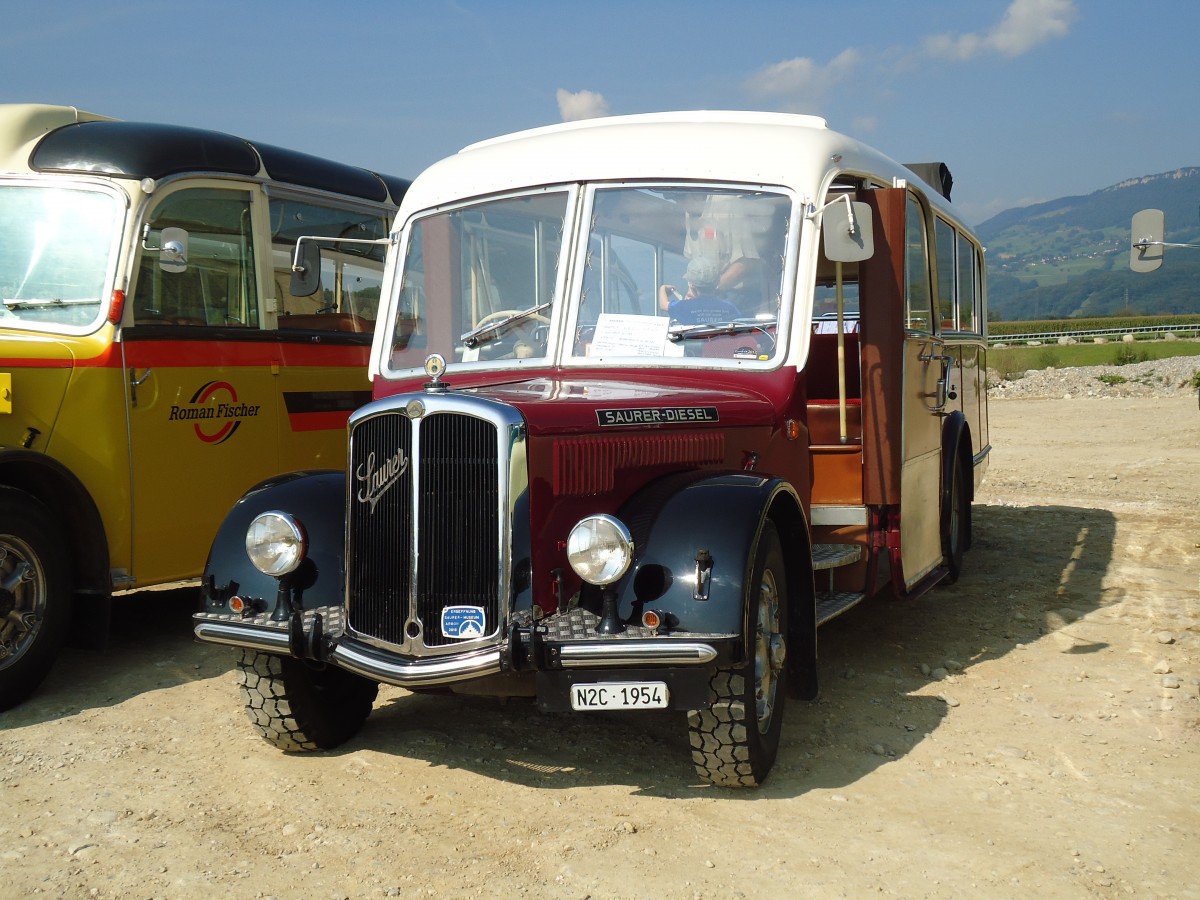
(1026, 100)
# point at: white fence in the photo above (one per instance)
(1191, 330)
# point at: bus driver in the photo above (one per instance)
(703, 304)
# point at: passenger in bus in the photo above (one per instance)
(745, 239)
(703, 304)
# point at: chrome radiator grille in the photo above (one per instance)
(424, 510)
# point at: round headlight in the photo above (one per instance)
(600, 549)
(275, 543)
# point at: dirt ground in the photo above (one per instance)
(1033, 730)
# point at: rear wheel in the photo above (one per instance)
(34, 595)
(297, 706)
(735, 741)
(956, 524)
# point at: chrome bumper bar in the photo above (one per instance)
(430, 671)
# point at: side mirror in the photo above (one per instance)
(1146, 241)
(306, 269)
(846, 230)
(173, 250)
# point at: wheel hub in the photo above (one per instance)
(769, 652)
(17, 621)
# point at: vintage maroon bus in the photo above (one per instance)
(655, 397)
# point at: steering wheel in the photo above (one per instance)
(500, 314)
(521, 338)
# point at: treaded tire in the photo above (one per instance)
(735, 741)
(300, 707)
(956, 525)
(35, 607)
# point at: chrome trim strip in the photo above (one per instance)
(636, 653)
(418, 672)
(838, 515)
(237, 634)
(402, 673)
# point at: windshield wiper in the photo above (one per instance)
(688, 332)
(475, 337)
(32, 304)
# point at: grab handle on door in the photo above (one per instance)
(942, 391)
(135, 383)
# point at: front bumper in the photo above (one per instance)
(566, 641)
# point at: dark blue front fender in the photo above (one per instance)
(318, 501)
(717, 518)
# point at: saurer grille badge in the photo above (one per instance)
(374, 480)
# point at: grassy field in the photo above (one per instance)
(1010, 360)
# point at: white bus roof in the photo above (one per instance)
(749, 147)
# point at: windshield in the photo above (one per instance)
(479, 282)
(682, 271)
(664, 272)
(56, 249)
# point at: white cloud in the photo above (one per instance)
(580, 105)
(802, 84)
(1026, 24)
(864, 124)
(803, 78)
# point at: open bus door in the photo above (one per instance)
(905, 371)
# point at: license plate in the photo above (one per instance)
(620, 695)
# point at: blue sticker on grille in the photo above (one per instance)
(463, 622)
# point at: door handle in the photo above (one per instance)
(942, 391)
(135, 383)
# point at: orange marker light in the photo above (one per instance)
(117, 307)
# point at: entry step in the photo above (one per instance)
(832, 604)
(831, 556)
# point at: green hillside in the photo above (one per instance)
(1069, 258)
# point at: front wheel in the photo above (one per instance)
(298, 706)
(735, 741)
(34, 595)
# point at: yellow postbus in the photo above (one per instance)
(154, 363)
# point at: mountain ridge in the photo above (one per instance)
(1069, 257)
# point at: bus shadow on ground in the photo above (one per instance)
(150, 646)
(881, 667)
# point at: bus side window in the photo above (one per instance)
(918, 294)
(943, 233)
(351, 274)
(968, 285)
(218, 287)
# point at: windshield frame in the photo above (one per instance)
(561, 349)
(120, 219)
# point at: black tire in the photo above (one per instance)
(35, 595)
(956, 525)
(735, 741)
(297, 706)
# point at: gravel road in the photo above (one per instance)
(1033, 730)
